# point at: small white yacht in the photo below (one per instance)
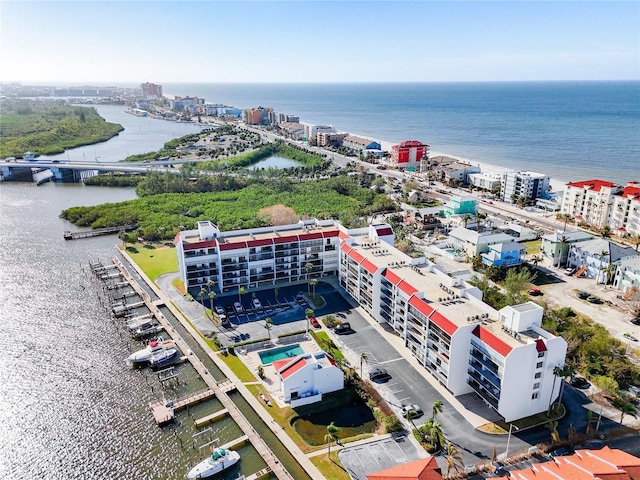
(219, 460)
(144, 355)
(164, 357)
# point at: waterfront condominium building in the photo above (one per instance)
(256, 257)
(600, 203)
(523, 184)
(409, 155)
(504, 356)
(151, 90)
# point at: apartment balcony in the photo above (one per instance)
(260, 256)
(486, 362)
(485, 377)
(488, 396)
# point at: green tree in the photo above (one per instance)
(309, 268)
(625, 408)
(268, 324)
(567, 371)
(516, 283)
(601, 255)
(431, 432)
(313, 282)
(241, 291)
(332, 432)
(436, 408)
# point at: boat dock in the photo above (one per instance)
(201, 422)
(219, 389)
(68, 235)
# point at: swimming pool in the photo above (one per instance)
(269, 356)
(453, 254)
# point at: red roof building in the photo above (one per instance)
(423, 469)
(409, 154)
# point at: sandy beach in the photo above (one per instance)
(556, 185)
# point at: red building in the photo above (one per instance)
(409, 155)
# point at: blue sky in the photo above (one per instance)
(316, 41)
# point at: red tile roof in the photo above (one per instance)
(196, 246)
(492, 341)
(384, 231)
(392, 277)
(292, 367)
(421, 305)
(260, 243)
(289, 239)
(631, 190)
(232, 246)
(330, 233)
(345, 247)
(355, 256)
(594, 185)
(369, 267)
(423, 469)
(540, 346)
(443, 322)
(310, 236)
(407, 288)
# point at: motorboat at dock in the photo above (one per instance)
(164, 357)
(144, 355)
(219, 460)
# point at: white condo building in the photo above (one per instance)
(504, 356)
(600, 203)
(523, 184)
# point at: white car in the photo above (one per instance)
(413, 410)
(256, 303)
(219, 310)
(238, 307)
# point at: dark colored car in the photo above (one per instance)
(379, 375)
(561, 452)
(342, 328)
(593, 299)
(582, 295)
(579, 382)
(635, 321)
(314, 321)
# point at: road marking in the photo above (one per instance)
(392, 360)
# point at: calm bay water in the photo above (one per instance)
(570, 130)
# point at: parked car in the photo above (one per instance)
(635, 321)
(256, 303)
(570, 271)
(534, 292)
(563, 451)
(580, 383)
(219, 310)
(342, 328)
(593, 299)
(379, 375)
(414, 411)
(583, 295)
(238, 307)
(314, 321)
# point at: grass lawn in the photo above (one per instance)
(330, 467)
(322, 338)
(524, 423)
(153, 261)
(239, 368)
(533, 247)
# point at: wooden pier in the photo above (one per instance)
(68, 235)
(219, 389)
(201, 422)
(193, 399)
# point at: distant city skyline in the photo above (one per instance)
(117, 42)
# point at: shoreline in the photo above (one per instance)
(485, 167)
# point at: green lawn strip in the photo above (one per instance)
(322, 339)
(153, 261)
(502, 428)
(533, 246)
(238, 367)
(179, 284)
(330, 467)
(282, 417)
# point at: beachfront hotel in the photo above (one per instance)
(504, 356)
(600, 203)
(409, 155)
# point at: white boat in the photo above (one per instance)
(144, 355)
(164, 357)
(219, 460)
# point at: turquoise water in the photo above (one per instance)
(276, 162)
(452, 252)
(269, 356)
(570, 130)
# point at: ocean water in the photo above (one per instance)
(570, 130)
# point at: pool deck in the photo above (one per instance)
(270, 381)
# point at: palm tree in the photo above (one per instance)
(268, 324)
(556, 373)
(563, 241)
(566, 217)
(436, 408)
(313, 282)
(625, 408)
(602, 254)
(363, 359)
(309, 268)
(564, 372)
(465, 219)
(454, 459)
(571, 432)
(276, 291)
(553, 427)
(332, 431)
(481, 216)
(241, 291)
(432, 433)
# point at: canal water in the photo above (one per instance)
(69, 404)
